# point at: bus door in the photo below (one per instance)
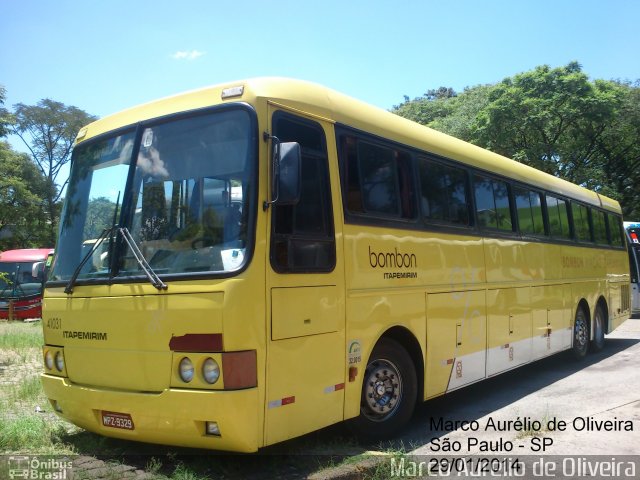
(305, 284)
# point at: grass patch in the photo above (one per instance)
(27, 391)
(29, 434)
(20, 335)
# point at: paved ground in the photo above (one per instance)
(584, 408)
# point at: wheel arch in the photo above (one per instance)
(602, 303)
(584, 305)
(409, 342)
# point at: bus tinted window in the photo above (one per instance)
(599, 227)
(581, 222)
(558, 217)
(443, 192)
(529, 207)
(492, 203)
(303, 239)
(615, 230)
(378, 179)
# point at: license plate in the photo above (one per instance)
(117, 420)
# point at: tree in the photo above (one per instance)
(556, 120)
(619, 150)
(100, 213)
(434, 104)
(5, 118)
(22, 191)
(463, 111)
(49, 129)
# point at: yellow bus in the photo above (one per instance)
(274, 257)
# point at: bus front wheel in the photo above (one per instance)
(580, 334)
(389, 391)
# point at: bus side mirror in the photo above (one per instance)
(37, 270)
(287, 177)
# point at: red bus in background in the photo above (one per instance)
(22, 273)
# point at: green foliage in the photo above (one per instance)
(5, 117)
(99, 216)
(22, 192)
(20, 335)
(49, 129)
(556, 120)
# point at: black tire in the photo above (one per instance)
(389, 392)
(599, 321)
(580, 334)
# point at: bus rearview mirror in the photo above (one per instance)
(287, 177)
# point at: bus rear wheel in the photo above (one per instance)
(580, 335)
(389, 392)
(598, 329)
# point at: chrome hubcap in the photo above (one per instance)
(581, 332)
(382, 391)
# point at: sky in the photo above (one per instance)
(105, 56)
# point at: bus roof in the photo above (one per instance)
(339, 108)
(25, 255)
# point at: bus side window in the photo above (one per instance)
(615, 230)
(599, 227)
(558, 217)
(492, 203)
(302, 234)
(529, 208)
(581, 222)
(443, 193)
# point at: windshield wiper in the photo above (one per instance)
(128, 239)
(151, 275)
(106, 232)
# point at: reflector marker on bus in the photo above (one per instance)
(196, 342)
(448, 361)
(334, 388)
(282, 402)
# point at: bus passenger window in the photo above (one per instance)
(529, 208)
(581, 222)
(558, 217)
(615, 230)
(378, 179)
(492, 203)
(599, 227)
(443, 193)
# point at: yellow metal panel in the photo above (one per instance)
(306, 385)
(508, 328)
(551, 319)
(370, 315)
(297, 312)
(456, 340)
(123, 342)
(172, 417)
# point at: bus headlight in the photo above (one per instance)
(210, 370)
(59, 361)
(48, 360)
(186, 370)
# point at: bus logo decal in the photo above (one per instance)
(354, 352)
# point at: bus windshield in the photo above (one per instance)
(17, 281)
(184, 189)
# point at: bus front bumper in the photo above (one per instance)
(173, 417)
